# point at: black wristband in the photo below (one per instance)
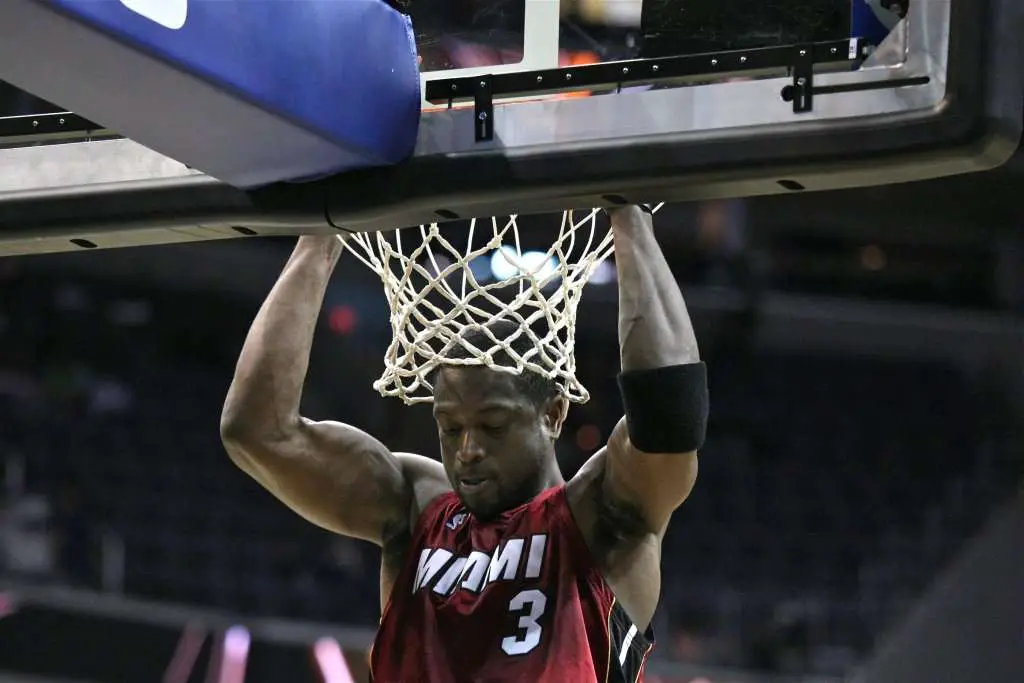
(666, 408)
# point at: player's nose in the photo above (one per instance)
(470, 448)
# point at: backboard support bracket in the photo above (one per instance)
(803, 79)
(802, 90)
(789, 92)
(483, 109)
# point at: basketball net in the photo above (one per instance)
(436, 291)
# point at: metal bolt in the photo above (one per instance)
(743, 60)
(803, 53)
(454, 87)
(625, 70)
(61, 121)
(714, 62)
(540, 79)
(654, 68)
(483, 84)
(482, 116)
(568, 77)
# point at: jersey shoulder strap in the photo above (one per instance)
(436, 512)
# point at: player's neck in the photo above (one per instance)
(550, 477)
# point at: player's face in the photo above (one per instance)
(497, 446)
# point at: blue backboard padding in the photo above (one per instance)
(343, 70)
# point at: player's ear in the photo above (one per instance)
(555, 410)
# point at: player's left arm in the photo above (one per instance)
(651, 460)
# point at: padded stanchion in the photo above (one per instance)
(248, 92)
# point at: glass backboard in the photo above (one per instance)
(477, 33)
(701, 103)
(697, 100)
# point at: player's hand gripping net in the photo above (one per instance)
(434, 296)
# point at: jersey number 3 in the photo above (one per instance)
(530, 606)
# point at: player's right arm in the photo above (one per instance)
(336, 476)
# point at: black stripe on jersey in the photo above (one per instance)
(628, 647)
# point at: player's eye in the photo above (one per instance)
(451, 430)
(495, 429)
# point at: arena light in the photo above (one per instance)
(505, 264)
(588, 438)
(342, 319)
(604, 274)
(7, 605)
(331, 661)
(183, 661)
(234, 654)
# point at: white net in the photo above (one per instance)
(437, 291)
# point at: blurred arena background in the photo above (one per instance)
(868, 402)
(867, 390)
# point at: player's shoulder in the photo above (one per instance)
(583, 494)
(426, 480)
(587, 478)
(420, 466)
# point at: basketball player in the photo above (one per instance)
(494, 568)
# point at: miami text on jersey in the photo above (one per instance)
(443, 572)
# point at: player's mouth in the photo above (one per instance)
(472, 484)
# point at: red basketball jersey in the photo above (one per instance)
(517, 598)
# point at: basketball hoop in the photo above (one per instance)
(436, 291)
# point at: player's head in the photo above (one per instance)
(497, 430)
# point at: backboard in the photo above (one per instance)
(587, 103)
